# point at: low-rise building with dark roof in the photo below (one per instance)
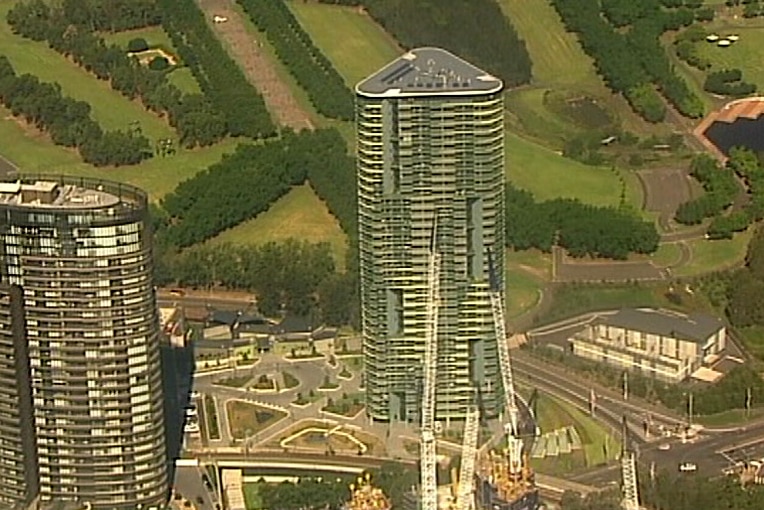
(663, 344)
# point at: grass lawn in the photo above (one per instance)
(553, 415)
(109, 108)
(710, 256)
(211, 417)
(549, 175)
(572, 299)
(745, 54)
(181, 77)
(729, 418)
(753, 338)
(252, 498)
(246, 419)
(351, 40)
(666, 255)
(33, 152)
(523, 291)
(301, 215)
(234, 382)
(556, 54)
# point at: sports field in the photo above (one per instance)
(350, 39)
(300, 215)
(109, 108)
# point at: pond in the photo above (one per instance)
(743, 132)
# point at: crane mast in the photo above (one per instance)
(464, 498)
(629, 487)
(430, 364)
(512, 428)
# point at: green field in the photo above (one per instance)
(549, 175)
(33, 152)
(109, 108)
(554, 414)
(181, 77)
(710, 256)
(301, 215)
(252, 498)
(556, 54)
(527, 274)
(352, 41)
(745, 54)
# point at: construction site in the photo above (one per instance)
(494, 476)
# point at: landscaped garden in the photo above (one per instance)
(246, 419)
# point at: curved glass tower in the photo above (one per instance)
(430, 144)
(81, 416)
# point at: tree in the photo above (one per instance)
(137, 45)
(159, 64)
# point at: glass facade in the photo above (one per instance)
(421, 157)
(80, 253)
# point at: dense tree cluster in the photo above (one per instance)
(633, 62)
(476, 30)
(312, 70)
(305, 494)
(728, 82)
(248, 181)
(729, 393)
(669, 490)
(221, 80)
(67, 121)
(582, 229)
(686, 47)
(192, 115)
(290, 275)
(672, 491)
(720, 190)
(745, 291)
(33, 18)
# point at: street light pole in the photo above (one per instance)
(626, 386)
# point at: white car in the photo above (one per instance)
(688, 467)
(191, 412)
(195, 394)
(665, 446)
(191, 428)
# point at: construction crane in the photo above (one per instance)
(428, 468)
(512, 414)
(629, 488)
(465, 499)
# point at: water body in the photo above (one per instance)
(743, 132)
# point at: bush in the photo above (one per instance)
(137, 45)
(159, 64)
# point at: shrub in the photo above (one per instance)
(137, 45)
(159, 64)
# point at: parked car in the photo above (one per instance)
(688, 467)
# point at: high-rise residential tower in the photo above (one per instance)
(81, 415)
(430, 149)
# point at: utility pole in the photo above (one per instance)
(689, 409)
(626, 386)
(592, 402)
(748, 399)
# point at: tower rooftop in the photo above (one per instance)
(428, 72)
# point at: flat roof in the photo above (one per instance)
(696, 327)
(61, 195)
(428, 72)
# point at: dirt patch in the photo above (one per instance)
(255, 64)
(145, 57)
